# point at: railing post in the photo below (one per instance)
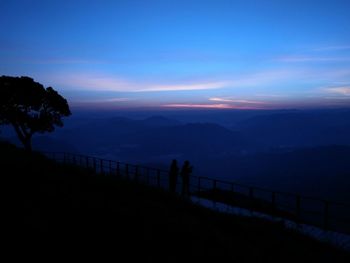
(110, 167)
(233, 191)
(273, 200)
(147, 175)
(136, 173)
(158, 177)
(101, 166)
(251, 193)
(127, 170)
(118, 169)
(326, 215)
(94, 165)
(214, 192)
(251, 196)
(298, 205)
(199, 184)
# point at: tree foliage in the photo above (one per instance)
(30, 108)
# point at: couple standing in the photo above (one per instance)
(185, 173)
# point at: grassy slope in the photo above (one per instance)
(59, 209)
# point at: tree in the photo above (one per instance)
(30, 108)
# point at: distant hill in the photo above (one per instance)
(67, 211)
(299, 129)
(151, 137)
(290, 150)
(251, 132)
(160, 121)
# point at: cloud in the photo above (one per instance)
(345, 90)
(270, 95)
(221, 99)
(200, 106)
(321, 54)
(266, 77)
(332, 48)
(312, 59)
(332, 77)
(190, 86)
(104, 100)
(67, 61)
(118, 99)
(246, 80)
(235, 100)
(101, 82)
(233, 104)
(53, 61)
(95, 82)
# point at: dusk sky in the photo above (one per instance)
(182, 54)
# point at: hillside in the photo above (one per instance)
(62, 208)
(264, 148)
(321, 172)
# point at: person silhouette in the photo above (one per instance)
(185, 174)
(173, 173)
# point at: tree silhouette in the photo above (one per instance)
(30, 108)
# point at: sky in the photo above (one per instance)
(215, 54)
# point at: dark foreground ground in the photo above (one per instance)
(54, 211)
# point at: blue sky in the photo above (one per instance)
(182, 54)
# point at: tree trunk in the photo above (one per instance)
(26, 140)
(27, 144)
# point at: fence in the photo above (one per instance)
(324, 214)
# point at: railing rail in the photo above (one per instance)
(328, 215)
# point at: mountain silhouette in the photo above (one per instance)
(285, 150)
(299, 129)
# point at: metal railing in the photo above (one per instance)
(327, 215)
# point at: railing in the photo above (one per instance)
(333, 216)
(324, 214)
(142, 174)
